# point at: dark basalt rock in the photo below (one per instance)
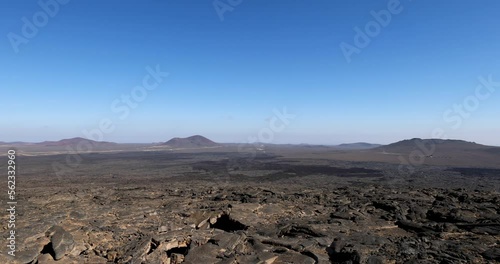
(323, 211)
(492, 254)
(27, 256)
(61, 242)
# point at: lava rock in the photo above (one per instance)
(61, 242)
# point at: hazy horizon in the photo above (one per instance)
(287, 72)
(243, 142)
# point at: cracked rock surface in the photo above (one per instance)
(310, 218)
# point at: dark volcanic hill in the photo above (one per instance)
(196, 141)
(73, 142)
(443, 152)
(409, 145)
(357, 146)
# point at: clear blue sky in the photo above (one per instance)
(226, 77)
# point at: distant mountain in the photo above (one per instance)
(357, 146)
(73, 142)
(196, 141)
(409, 145)
(15, 143)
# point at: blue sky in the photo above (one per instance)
(227, 77)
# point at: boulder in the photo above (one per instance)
(61, 242)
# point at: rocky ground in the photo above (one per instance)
(267, 210)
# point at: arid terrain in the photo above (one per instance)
(203, 202)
